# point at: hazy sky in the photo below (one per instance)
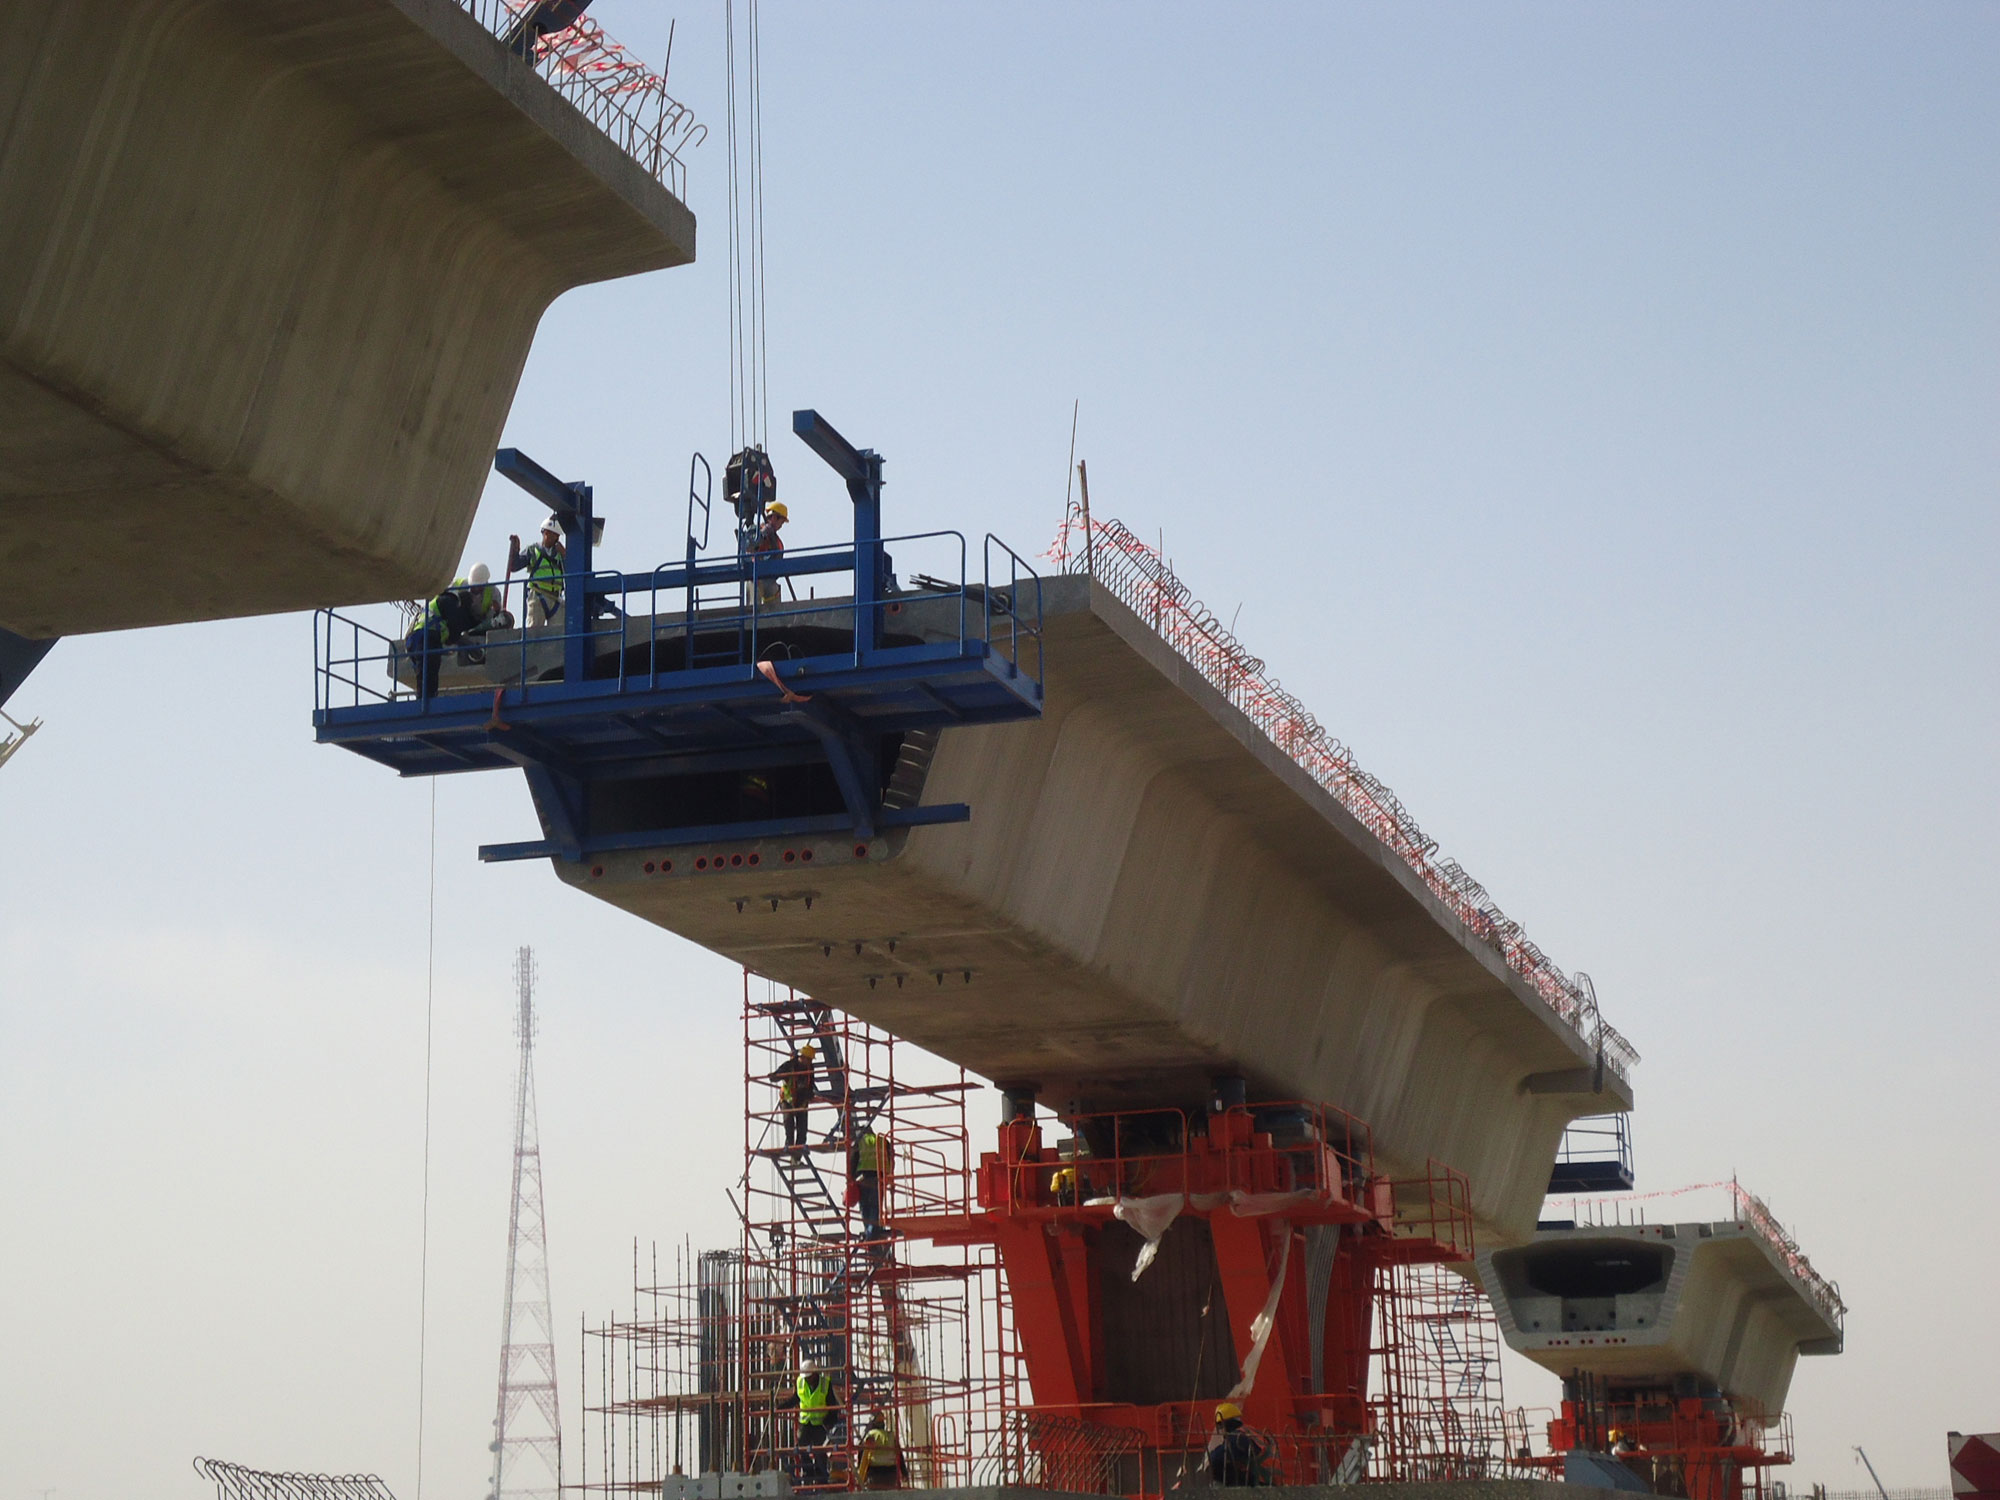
(1590, 408)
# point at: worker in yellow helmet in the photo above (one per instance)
(881, 1457)
(1623, 1443)
(769, 543)
(1237, 1457)
(796, 1083)
(869, 1162)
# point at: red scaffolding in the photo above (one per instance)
(1066, 1311)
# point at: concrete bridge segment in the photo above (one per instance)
(269, 271)
(1149, 894)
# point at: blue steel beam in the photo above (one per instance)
(715, 833)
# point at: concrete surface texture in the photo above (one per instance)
(1151, 894)
(1715, 1301)
(269, 270)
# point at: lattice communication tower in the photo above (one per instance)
(527, 1424)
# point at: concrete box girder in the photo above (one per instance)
(1725, 1307)
(1149, 894)
(269, 271)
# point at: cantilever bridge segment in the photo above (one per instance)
(1005, 818)
(269, 271)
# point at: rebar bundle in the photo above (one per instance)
(235, 1482)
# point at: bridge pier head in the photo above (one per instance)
(269, 272)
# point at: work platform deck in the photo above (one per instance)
(1149, 893)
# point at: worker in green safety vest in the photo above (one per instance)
(870, 1161)
(819, 1413)
(545, 562)
(881, 1457)
(465, 609)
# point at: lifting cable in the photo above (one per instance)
(424, 1253)
(749, 403)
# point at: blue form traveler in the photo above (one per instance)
(466, 609)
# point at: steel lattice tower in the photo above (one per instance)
(527, 1425)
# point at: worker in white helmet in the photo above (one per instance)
(469, 607)
(546, 562)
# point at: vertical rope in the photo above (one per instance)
(424, 1253)
(763, 353)
(737, 422)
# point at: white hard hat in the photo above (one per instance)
(553, 523)
(481, 573)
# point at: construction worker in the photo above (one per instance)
(1062, 1184)
(1622, 1444)
(881, 1457)
(1062, 1181)
(796, 1087)
(768, 541)
(1237, 1456)
(545, 563)
(871, 1160)
(465, 609)
(819, 1412)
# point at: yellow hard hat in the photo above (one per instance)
(808, 1050)
(1229, 1411)
(777, 508)
(1616, 1434)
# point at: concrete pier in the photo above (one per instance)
(269, 271)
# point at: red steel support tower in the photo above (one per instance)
(1265, 1243)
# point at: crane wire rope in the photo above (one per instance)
(424, 1252)
(763, 390)
(737, 301)
(748, 383)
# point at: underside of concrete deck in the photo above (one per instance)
(1150, 894)
(269, 271)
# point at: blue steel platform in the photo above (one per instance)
(639, 727)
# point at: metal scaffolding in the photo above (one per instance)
(703, 1376)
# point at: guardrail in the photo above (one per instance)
(606, 84)
(1295, 1154)
(646, 627)
(1144, 583)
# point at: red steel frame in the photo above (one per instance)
(1259, 1192)
(1702, 1447)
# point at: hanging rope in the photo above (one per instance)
(736, 413)
(748, 384)
(424, 1252)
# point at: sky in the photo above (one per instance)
(1588, 411)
